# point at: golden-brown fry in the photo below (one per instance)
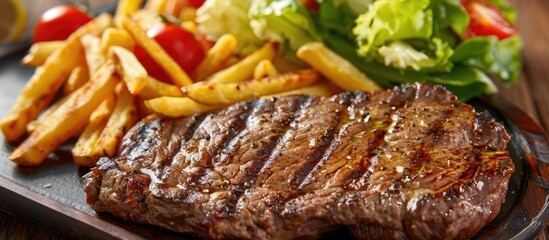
(335, 68)
(122, 119)
(46, 81)
(94, 57)
(319, 89)
(132, 72)
(65, 121)
(39, 52)
(79, 76)
(215, 57)
(178, 106)
(82, 152)
(264, 69)
(173, 7)
(125, 8)
(116, 37)
(104, 110)
(189, 26)
(244, 70)
(35, 123)
(155, 89)
(228, 93)
(177, 75)
(155, 6)
(187, 14)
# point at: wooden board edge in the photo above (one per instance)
(60, 218)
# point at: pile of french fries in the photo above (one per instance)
(105, 90)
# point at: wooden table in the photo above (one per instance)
(531, 94)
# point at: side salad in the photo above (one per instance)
(461, 44)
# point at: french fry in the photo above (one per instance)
(178, 106)
(156, 6)
(187, 14)
(155, 89)
(122, 119)
(335, 68)
(264, 69)
(46, 81)
(228, 93)
(94, 57)
(65, 121)
(177, 75)
(78, 77)
(132, 72)
(173, 7)
(189, 26)
(35, 123)
(244, 69)
(115, 37)
(39, 52)
(319, 89)
(215, 57)
(104, 110)
(124, 9)
(82, 152)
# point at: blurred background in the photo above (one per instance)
(17, 18)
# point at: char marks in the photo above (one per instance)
(328, 141)
(282, 115)
(184, 131)
(237, 124)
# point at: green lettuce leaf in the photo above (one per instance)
(285, 21)
(402, 55)
(449, 14)
(502, 59)
(401, 34)
(388, 20)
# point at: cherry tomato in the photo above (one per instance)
(196, 3)
(58, 23)
(487, 20)
(180, 44)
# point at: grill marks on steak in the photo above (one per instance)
(411, 162)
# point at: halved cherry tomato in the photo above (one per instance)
(58, 23)
(180, 44)
(486, 20)
(196, 3)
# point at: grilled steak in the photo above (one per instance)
(411, 162)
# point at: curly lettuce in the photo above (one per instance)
(285, 21)
(400, 34)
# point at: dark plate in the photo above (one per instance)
(52, 193)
